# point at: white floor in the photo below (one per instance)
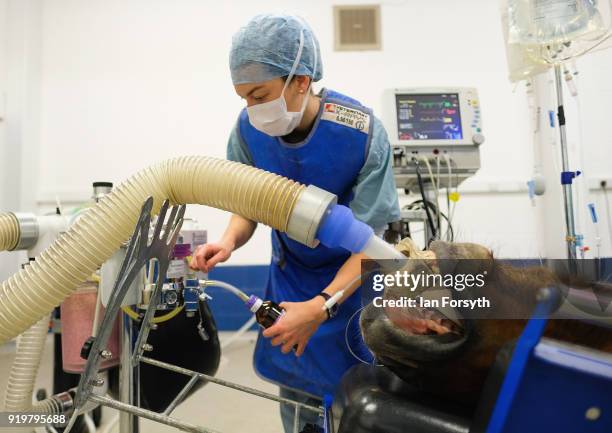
(215, 407)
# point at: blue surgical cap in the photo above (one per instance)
(267, 47)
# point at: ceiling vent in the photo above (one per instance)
(357, 27)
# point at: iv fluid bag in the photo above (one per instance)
(541, 33)
(521, 63)
(550, 22)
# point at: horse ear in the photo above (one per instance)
(411, 250)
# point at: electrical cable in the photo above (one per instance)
(608, 215)
(436, 187)
(452, 210)
(448, 188)
(418, 205)
(430, 171)
(438, 192)
(422, 190)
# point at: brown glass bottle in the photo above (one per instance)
(266, 312)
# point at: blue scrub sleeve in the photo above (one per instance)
(375, 199)
(237, 149)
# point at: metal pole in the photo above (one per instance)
(568, 199)
(296, 419)
(154, 416)
(128, 392)
(228, 384)
(181, 395)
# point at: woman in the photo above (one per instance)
(326, 139)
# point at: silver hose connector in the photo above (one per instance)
(308, 213)
(28, 230)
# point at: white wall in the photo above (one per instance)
(5, 258)
(20, 108)
(123, 84)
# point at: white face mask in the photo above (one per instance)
(272, 117)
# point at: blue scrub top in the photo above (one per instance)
(375, 199)
(364, 181)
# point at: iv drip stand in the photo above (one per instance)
(566, 175)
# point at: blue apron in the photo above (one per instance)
(330, 157)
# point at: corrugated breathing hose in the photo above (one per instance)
(41, 285)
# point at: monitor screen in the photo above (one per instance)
(428, 116)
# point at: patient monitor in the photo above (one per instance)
(441, 124)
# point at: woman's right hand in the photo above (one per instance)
(208, 255)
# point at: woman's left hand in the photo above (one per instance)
(296, 326)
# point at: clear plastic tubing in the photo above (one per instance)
(377, 249)
(232, 289)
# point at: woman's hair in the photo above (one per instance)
(284, 78)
